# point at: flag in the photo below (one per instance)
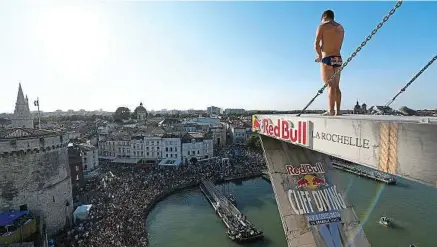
(36, 102)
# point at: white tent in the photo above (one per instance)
(81, 212)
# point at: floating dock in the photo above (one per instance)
(239, 227)
(364, 172)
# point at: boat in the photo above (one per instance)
(385, 221)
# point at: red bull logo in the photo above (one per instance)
(304, 169)
(310, 182)
(256, 124)
(287, 130)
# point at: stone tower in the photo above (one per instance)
(22, 117)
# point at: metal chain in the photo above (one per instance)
(392, 11)
(412, 80)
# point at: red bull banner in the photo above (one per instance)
(312, 195)
(296, 132)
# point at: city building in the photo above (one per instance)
(90, 156)
(218, 135)
(132, 149)
(171, 147)
(197, 145)
(239, 134)
(76, 167)
(168, 122)
(213, 110)
(364, 108)
(35, 169)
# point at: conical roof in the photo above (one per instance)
(20, 96)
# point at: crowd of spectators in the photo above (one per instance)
(122, 195)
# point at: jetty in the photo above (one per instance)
(239, 227)
(363, 172)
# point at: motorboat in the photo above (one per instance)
(385, 221)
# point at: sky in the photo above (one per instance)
(189, 55)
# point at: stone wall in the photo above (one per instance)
(10, 147)
(37, 175)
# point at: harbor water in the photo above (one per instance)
(187, 219)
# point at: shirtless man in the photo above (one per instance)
(331, 34)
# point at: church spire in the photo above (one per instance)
(20, 96)
(22, 117)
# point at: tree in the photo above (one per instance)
(122, 113)
(253, 142)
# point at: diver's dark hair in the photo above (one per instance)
(328, 14)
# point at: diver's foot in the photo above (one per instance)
(328, 113)
(338, 113)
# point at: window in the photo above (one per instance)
(166, 155)
(171, 155)
(176, 155)
(198, 152)
(171, 149)
(77, 168)
(194, 152)
(166, 149)
(77, 179)
(147, 153)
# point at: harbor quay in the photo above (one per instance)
(363, 171)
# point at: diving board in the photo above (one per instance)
(399, 145)
(313, 208)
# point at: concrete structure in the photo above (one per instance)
(198, 145)
(22, 117)
(90, 156)
(34, 171)
(297, 149)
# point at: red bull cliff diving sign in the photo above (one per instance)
(313, 196)
(296, 132)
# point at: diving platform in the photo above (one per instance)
(313, 208)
